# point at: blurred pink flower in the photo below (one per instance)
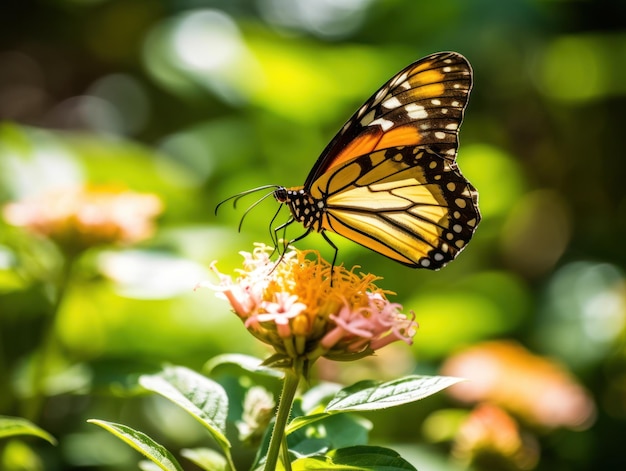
(84, 217)
(490, 435)
(536, 389)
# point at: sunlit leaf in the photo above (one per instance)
(373, 395)
(203, 398)
(143, 444)
(11, 426)
(245, 362)
(364, 458)
(205, 458)
(333, 432)
(148, 466)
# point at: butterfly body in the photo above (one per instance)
(389, 179)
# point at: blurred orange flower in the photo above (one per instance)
(536, 389)
(83, 217)
(490, 435)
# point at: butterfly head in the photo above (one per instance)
(304, 208)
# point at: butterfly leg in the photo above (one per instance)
(274, 231)
(332, 266)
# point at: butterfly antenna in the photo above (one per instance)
(238, 196)
(252, 206)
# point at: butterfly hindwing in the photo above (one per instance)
(406, 203)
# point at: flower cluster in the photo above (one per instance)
(491, 435)
(306, 309)
(534, 388)
(80, 218)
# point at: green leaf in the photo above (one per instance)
(374, 395)
(245, 362)
(205, 458)
(141, 442)
(11, 426)
(148, 466)
(203, 398)
(335, 431)
(355, 458)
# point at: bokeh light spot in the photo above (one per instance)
(495, 174)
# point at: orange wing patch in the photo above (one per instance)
(363, 144)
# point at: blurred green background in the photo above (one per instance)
(196, 100)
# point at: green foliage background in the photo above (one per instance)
(198, 100)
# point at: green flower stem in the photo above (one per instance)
(48, 346)
(290, 385)
(285, 453)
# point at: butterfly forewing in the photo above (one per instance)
(422, 104)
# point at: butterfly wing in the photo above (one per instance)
(422, 104)
(389, 179)
(406, 203)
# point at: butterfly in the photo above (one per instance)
(389, 180)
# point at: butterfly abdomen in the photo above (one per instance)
(304, 208)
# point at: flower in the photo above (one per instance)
(490, 436)
(293, 306)
(533, 388)
(83, 217)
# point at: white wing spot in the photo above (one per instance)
(455, 103)
(456, 85)
(399, 78)
(449, 236)
(451, 151)
(320, 204)
(451, 186)
(406, 85)
(457, 228)
(448, 61)
(432, 164)
(440, 135)
(424, 126)
(438, 257)
(379, 96)
(444, 110)
(416, 111)
(425, 262)
(391, 103)
(436, 102)
(456, 215)
(452, 126)
(447, 69)
(385, 124)
(460, 243)
(460, 202)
